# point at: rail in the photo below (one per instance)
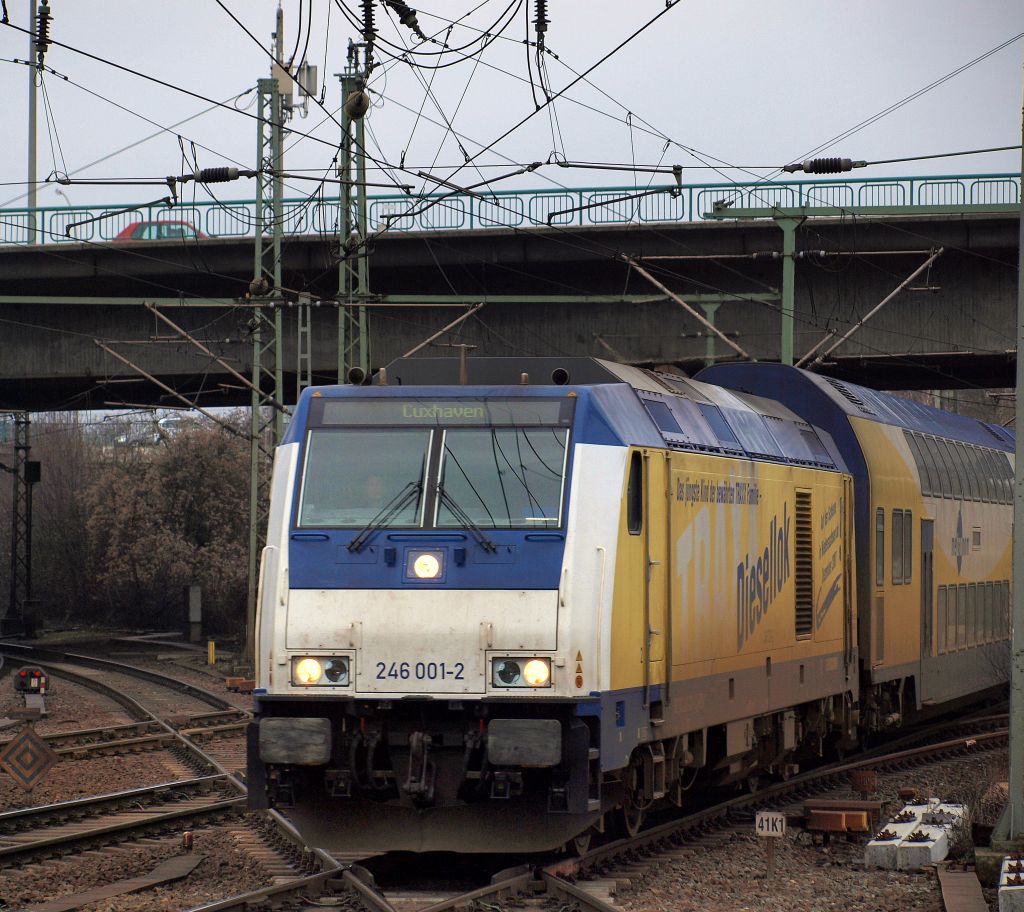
(560, 207)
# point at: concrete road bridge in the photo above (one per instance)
(901, 283)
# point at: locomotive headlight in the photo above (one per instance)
(507, 672)
(306, 671)
(521, 672)
(424, 565)
(336, 671)
(537, 672)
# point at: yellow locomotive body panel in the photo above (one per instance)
(735, 588)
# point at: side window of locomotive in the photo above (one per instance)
(503, 478)
(635, 495)
(880, 547)
(341, 488)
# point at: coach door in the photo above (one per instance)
(657, 535)
(927, 596)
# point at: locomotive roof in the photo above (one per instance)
(686, 414)
(807, 394)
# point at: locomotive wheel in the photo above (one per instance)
(631, 817)
(581, 843)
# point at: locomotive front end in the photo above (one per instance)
(414, 669)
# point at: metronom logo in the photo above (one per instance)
(759, 580)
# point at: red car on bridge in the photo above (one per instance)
(158, 231)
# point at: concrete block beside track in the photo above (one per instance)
(911, 854)
(1011, 885)
(882, 853)
(935, 819)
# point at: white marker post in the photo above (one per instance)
(770, 825)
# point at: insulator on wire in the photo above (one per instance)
(369, 32)
(540, 21)
(42, 32)
(407, 16)
(825, 165)
(216, 175)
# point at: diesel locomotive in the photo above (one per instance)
(509, 612)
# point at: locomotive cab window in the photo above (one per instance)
(502, 478)
(340, 487)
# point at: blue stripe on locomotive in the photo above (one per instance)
(608, 415)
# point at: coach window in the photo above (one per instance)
(955, 469)
(1006, 476)
(972, 613)
(961, 615)
(897, 547)
(971, 481)
(978, 465)
(908, 546)
(922, 470)
(995, 486)
(880, 547)
(940, 626)
(635, 495)
(941, 472)
(985, 592)
(950, 618)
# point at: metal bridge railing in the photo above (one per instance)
(522, 208)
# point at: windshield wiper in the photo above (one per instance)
(387, 513)
(482, 540)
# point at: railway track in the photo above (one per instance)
(208, 734)
(587, 882)
(202, 735)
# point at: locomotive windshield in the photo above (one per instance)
(354, 476)
(503, 478)
(445, 462)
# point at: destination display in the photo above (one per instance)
(443, 411)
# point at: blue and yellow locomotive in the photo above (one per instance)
(505, 614)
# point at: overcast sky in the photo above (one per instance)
(743, 83)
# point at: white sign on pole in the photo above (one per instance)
(770, 824)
